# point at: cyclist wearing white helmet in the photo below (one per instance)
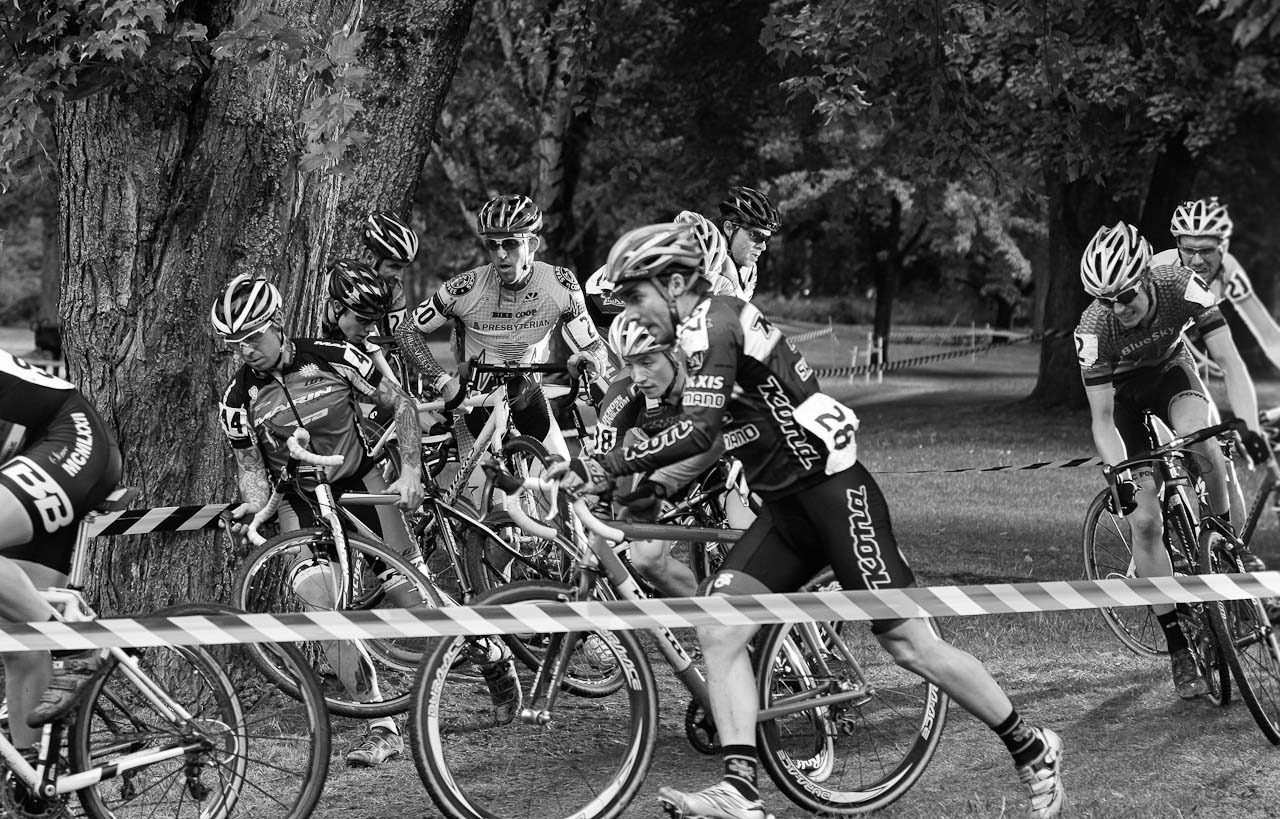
(748, 384)
(749, 220)
(506, 311)
(314, 384)
(394, 245)
(1133, 358)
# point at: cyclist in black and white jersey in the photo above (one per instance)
(58, 461)
(394, 246)
(749, 220)
(747, 383)
(506, 311)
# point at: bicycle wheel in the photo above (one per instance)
(1248, 641)
(1108, 555)
(853, 756)
(588, 760)
(248, 748)
(522, 456)
(293, 572)
(1204, 648)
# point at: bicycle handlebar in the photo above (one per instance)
(298, 442)
(511, 487)
(1176, 445)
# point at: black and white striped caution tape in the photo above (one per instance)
(1067, 463)
(934, 601)
(156, 519)
(863, 369)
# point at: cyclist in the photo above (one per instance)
(1202, 231)
(749, 221)
(644, 401)
(1134, 357)
(359, 300)
(507, 310)
(58, 461)
(394, 246)
(748, 383)
(282, 382)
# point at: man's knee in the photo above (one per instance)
(649, 555)
(728, 639)
(908, 642)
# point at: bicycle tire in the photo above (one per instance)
(1202, 642)
(522, 456)
(270, 757)
(897, 705)
(1248, 641)
(266, 582)
(466, 760)
(1108, 555)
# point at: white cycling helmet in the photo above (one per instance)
(1202, 217)
(1115, 260)
(629, 337)
(246, 304)
(715, 248)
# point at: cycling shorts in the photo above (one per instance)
(61, 476)
(842, 522)
(1155, 389)
(529, 410)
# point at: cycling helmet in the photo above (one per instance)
(1115, 259)
(715, 249)
(629, 337)
(246, 304)
(750, 208)
(358, 288)
(1202, 217)
(509, 213)
(654, 250)
(389, 238)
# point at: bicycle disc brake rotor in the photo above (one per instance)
(15, 802)
(700, 730)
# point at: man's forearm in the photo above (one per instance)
(413, 346)
(410, 435)
(252, 478)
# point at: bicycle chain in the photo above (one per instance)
(12, 806)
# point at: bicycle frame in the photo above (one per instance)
(595, 559)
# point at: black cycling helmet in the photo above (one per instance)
(389, 238)
(750, 208)
(358, 288)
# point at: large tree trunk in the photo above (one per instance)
(165, 196)
(1076, 210)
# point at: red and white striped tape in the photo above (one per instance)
(156, 519)
(935, 601)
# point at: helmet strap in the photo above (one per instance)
(677, 375)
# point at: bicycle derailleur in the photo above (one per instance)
(701, 729)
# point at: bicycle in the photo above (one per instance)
(329, 568)
(819, 704)
(1233, 635)
(174, 730)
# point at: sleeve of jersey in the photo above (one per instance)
(1093, 368)
(356, 367)
(618, 412)
(1202, 306)
(233, 414)
(427, 316)
(581, 331)
(706, 394)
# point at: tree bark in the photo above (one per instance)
(166, 194)
(1076, 210)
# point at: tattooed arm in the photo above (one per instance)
(409, 484)
(255, 489)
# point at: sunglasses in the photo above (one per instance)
(757, 237)
(510, 245)
(1206, 253)
(249, 340)
(1124, 297)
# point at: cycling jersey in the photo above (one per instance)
(734, 281)
(399, 307)
(59, 460)
(602, 306)
(509, 324)
(624, 407)
(1109, 353)
(1230, 284)
(750, 384)
(317, 389)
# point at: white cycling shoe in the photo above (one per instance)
(720, 801)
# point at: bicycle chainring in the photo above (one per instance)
(14, 801)
(700, 729)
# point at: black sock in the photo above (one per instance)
(1023, 743)
(740, 766)
(1172, 631)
